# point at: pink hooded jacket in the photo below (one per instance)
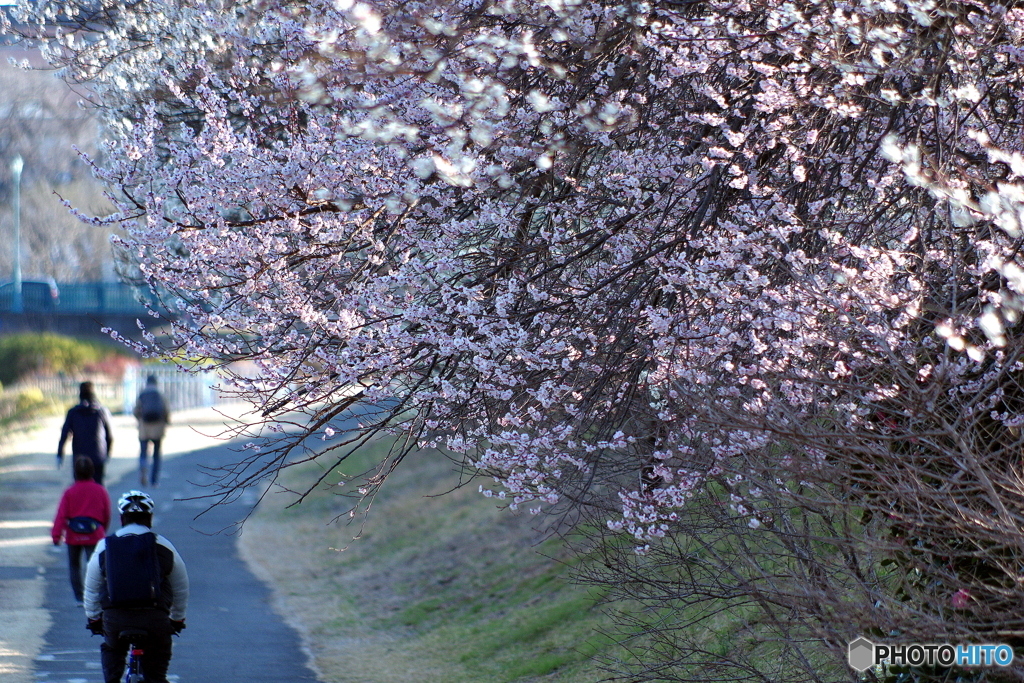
(82, 499)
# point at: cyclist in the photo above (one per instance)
(136, 580)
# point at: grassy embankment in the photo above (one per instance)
(446, 588)
(452, 589)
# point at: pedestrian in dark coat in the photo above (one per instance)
(82, 518)
(88, 423)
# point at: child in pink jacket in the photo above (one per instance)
(82, 520)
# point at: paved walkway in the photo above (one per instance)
(233, 633)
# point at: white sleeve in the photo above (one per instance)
(94, 583)
(179, 583)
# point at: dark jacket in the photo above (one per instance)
(89, 427)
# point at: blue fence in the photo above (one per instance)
(101, 297)
(77, 298)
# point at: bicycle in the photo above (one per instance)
(133, 673)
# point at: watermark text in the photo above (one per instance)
(863, 654)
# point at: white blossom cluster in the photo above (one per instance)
(560, 239)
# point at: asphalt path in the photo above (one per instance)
(232, 633)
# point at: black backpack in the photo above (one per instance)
(133, 571)
(151, 406)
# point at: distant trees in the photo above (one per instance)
(737, 281)
(41, 121)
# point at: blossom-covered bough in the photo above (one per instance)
(738, 279)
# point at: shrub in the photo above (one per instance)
(29, 399)
(28, 353)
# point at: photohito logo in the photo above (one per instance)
(863, 654)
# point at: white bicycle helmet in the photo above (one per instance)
(136, 501)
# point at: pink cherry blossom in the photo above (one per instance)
(677, 265)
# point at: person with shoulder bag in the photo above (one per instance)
(153, 416)
(82, 518)
(136, 580)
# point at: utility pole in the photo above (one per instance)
(17, 163)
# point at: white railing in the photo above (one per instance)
(182, 390)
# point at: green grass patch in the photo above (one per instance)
(450, 586)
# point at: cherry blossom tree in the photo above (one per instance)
(738, 282)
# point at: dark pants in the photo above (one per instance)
(76, 566)
(144, 451)
(98, 465)
(156, 647)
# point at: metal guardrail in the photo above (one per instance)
(100, 297)
(78, 298)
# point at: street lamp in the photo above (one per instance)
(17, 163)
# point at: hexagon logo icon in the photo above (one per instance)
(862, 654)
